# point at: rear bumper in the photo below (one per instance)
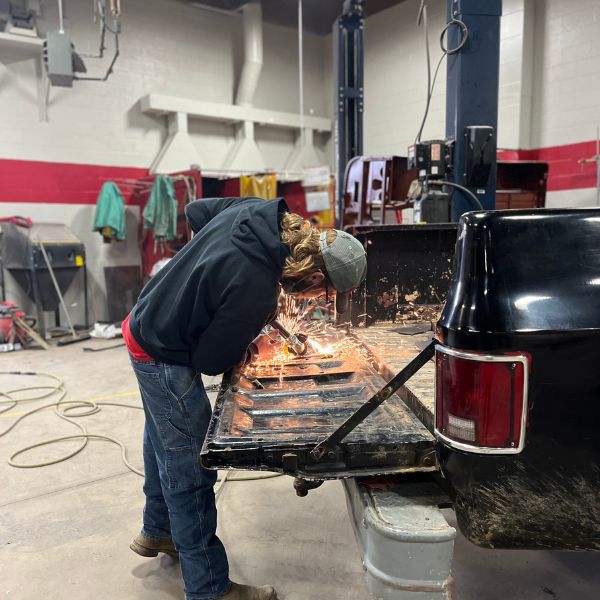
(404, 540)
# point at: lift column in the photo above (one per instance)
(348, 56)
(472, 99)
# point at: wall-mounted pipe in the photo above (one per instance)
(253, 54)
(301, 70)
(61, 18)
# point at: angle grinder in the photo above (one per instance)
(296, 343)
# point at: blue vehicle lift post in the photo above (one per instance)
(472, 90)
(348, 56)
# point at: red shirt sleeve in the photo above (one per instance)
(136, 351)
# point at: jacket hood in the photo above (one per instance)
(256, 232)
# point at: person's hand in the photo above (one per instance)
(265, 346)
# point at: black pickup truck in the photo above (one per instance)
(505, 417)
(518, 379)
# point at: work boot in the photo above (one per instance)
(145, 546)
(247, 592)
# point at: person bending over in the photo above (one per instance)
(199, 314)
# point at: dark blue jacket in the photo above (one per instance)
(209, 302)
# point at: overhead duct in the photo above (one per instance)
(304, 153)
(253, 54)
(245, 154)
(178, 152)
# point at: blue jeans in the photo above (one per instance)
(180, 501)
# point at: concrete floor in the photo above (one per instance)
(65, 529)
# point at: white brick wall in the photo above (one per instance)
(396, 78)
(567, 72)
(566, 82)
(167, 48)
(516, 71)
(572, 198)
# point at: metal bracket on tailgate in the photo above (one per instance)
(329, 445)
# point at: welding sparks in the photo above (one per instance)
(320, 348)
(313, 319)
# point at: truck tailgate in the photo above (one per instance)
(303, 401)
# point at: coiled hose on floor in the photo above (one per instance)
(69, 410)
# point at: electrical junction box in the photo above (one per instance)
(58, 57)
(431, 158)
(17, 17)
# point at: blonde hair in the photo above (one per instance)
(303, 241)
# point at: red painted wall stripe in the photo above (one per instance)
(565, 171)
(62, 183)
(69, 183)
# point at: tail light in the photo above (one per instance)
(481, 401)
